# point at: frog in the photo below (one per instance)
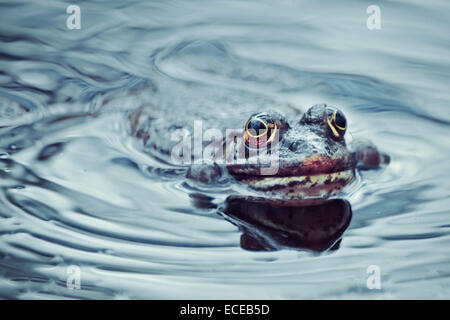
(310, 151)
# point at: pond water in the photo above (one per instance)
(79, 196)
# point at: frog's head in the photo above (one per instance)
(311, 156)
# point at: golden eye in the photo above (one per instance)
(259, 133)
(337, 122)
(256, 128)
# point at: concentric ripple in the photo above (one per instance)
(76, 189)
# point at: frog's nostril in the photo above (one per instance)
(303, 147)
(295, 146)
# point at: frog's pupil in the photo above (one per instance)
(340, 120)
(257, 125)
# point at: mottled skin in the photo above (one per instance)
(313, 160)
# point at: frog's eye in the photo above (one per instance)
(336, 122)
(259, 131)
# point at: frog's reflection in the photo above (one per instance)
(315, 225)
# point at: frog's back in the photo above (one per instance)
(155, 112)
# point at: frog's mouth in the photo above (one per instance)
(313, 177)
(308, 186)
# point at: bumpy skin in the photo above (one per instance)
(312, 162)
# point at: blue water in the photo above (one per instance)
(82, 192)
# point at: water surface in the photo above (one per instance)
(81, 191)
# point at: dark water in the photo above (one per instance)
(76, 189)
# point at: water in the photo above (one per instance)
(77, 189)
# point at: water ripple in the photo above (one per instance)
(77, 189)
